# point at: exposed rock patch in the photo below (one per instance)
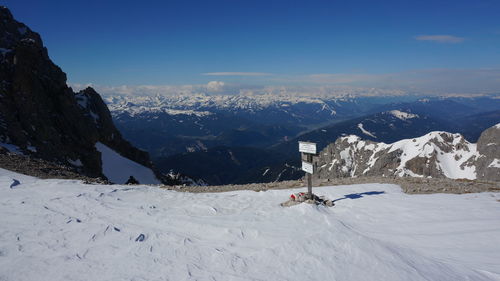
(488, 146)
(42, 169)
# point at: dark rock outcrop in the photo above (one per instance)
(42, 116)
(488, 146)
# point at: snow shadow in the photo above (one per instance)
(359, 195)
(14, 183)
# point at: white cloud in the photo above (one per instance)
(236, 74)
(427, 81)
(215, 86)
(440, 38)
(144, 89)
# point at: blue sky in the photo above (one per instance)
(369, 43)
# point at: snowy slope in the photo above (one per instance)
(64, 230)
(403, 115)
(118, 168)
(450, 159)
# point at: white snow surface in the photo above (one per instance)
(118, 168)
(403, 115)
(495, 163)
(82, 100)
(11, 148)
(65, 230)
(364, 131)
(77, 162)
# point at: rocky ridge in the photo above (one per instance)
(41, 117)
(488, 146)
(434, 155)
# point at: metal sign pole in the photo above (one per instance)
(309, 178)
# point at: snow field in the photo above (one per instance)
(65, 230)
(118, 168)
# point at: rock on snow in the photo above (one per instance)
(65, 230)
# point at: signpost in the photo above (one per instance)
(309, 149)
(307, 167)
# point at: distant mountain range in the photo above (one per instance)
(164, 134)
(389, 126)
(167, 125)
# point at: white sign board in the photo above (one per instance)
(307, 167)
(307, 147)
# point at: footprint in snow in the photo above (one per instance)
(15, 183)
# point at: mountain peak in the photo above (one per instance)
(436, 154)
(16, 34)
(5, 13)
(89, 91)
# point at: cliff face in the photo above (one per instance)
(436, 155)
(40, 116)
(488, 146)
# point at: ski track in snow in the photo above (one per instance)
(65, 230)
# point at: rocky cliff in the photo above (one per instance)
(488, 147)
(436, 155)
(41, 117)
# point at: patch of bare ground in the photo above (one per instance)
(234, 187)
(42, 169)
(408, 185)
(424, 185)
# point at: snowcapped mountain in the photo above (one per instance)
(198, 104)
(167, 125)
(267, 109)
(436, 154)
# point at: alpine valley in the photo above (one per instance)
(227, 139)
